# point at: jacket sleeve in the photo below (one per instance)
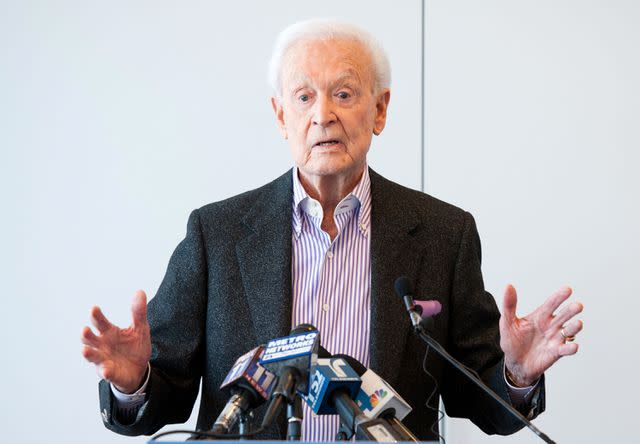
(474, 339)
(177, 319)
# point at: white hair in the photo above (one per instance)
(327, 29)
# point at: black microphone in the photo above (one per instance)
(290, 358)
(403, 288)
(419, 311)
(250, 385)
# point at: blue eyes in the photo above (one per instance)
(304, 98)
(343, 95)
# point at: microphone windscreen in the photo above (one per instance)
(403, 286)
(302, 328)
(428, 308)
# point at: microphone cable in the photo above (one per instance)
(201, 433)
(439, 413)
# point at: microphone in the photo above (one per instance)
(290, 358)
(418, 310)
(403, 288)
(378, 399)
(332, 378)
(334, 386)
(250, 385)
(428, 309)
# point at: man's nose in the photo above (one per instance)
(323, 112)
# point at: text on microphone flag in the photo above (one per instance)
(288, 347)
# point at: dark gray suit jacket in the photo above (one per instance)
(228, 288)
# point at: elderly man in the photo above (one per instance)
(323, 244)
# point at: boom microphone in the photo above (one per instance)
(403, 288)
(250, 385)
(418, 310)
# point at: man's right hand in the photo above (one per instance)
(121, 356)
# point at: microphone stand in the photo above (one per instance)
(244, 424)
(294, 419)
(422, 334)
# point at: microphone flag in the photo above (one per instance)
(376, 397)
(248, 371)
(297, 350)
(331, 375)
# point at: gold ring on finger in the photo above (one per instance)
(566, 337)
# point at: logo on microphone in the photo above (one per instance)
(377, 397)
(316, 389)
(368, 403)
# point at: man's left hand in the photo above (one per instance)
(532, 344)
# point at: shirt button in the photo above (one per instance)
(325, 307)
(329, 254)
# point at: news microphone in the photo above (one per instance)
(334, 386)
(290, 358)
(403, 288)
(378, 399)
(418, 310)
(250, 385)
(332, 378)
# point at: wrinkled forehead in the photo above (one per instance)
(323, 62)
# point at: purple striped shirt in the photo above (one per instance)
(331, 281)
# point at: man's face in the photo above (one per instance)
(329, 109)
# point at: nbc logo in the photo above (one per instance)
(377, 396)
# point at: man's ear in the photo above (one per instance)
(382, 102)
(278, 110)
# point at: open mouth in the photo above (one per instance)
(327, 143)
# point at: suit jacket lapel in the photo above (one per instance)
(394, 253)
(264, 258)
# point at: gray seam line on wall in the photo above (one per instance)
(422, 98)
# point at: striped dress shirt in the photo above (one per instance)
(331, 281)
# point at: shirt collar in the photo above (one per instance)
(359, 199)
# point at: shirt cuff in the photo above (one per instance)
(520, 396)
(132, 400)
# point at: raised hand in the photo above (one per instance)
(533, 343)
(121, 356)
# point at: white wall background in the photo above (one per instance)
(532, 125)
(118, 118)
